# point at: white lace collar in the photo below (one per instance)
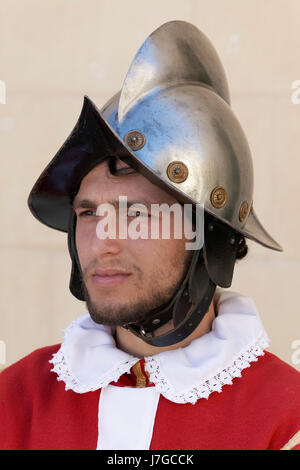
(88, 358)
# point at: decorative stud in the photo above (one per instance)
(218, 197)
(135, 140)
(177, 172)
(243, 211)
(156, 321)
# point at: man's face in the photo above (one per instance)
(124, 279)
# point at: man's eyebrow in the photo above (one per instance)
(84, 204)
(89, 204)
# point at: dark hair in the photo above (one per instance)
(112, 165)
(242, 249)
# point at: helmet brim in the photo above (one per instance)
(92, 141)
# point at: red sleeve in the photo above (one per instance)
(282, 383)
(17, 385)
(293, 443)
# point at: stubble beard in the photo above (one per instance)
(153, 298)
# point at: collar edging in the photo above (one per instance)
(204, 389)
(65, 374)
(211, 384)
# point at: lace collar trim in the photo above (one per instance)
(88, 358)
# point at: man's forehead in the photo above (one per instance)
(99, 186)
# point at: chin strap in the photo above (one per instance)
(211, 266)
(185, 312)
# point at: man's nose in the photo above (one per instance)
(106, 239)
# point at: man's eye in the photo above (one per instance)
(86, 213)
(137, 213)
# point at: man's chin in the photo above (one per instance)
(115, 314)
(110, 312)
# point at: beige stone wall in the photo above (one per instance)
(54, 52)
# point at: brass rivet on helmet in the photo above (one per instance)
(243, 211)
(218, 197)
(177, 172)
(135, 140)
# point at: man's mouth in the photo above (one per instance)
(109, 277)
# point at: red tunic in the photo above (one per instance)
(260, 410)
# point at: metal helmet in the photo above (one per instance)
(172, 120)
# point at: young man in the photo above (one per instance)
(163, 359)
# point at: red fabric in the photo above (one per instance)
(37, 413)
(259, 411)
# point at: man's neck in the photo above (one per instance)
(128, 342)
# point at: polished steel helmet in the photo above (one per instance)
(172, 120)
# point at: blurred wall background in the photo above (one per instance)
(54, 52)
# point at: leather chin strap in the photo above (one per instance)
(210, 266)
(187, 308)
